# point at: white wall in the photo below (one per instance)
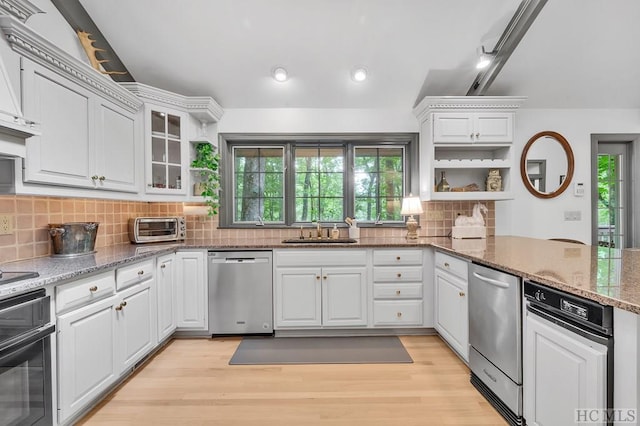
(317, 120)
(529, 216)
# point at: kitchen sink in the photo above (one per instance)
(320, 241)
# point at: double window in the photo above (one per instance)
(292, 180)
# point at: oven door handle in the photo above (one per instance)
(26, 339)
(491, 280)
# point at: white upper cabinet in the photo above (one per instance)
(487, 127)
(88, 143)
(171, 121)
(87, 122)
(463, 139)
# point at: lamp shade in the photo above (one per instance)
(411, 205)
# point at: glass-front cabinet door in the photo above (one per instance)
(167, 141)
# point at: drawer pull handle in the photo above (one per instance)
(141, 272)
(399, 314)
(397, 257)
(399, 275)
(397, 292)
(461, 294)
(93, 288)
(446, 264)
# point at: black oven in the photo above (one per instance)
(25, 360)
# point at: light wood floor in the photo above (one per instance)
(190, 383)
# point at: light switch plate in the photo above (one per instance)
(578, 189)
(572, 215)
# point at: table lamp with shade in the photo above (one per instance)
(411, 205)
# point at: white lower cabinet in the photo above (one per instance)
(136, 326)
(192, 293)
(398, 288)
(451, 302)
(166, 295)
(314, 290)
(87, 342)
(102, 334)
(563, 372)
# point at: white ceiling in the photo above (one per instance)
(411, 48)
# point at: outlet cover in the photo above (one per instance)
(572, 215)
(435, 215)
(6, 225)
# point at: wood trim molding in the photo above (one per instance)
(203, 108)
(469, 103)
(33, 46)
(21, 9)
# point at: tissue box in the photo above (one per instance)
(469, 232)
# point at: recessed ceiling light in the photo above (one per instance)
(280, 74)
(359, 74)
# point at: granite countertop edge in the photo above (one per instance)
(54, 271)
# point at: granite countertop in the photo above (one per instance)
(608, 276)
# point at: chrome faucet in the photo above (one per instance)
(260, 221)
(378, 221)
(319, 229)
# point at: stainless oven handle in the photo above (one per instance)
(491, 280)
(566, 325)
(26, 339)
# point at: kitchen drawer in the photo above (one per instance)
(397, 312)
(329, 257)
(133, 274)
(452, 264)
(84, 291)
(397, 257)
(397, 291)
(397, 274)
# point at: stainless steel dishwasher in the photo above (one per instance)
(495, 339)
(240, 292)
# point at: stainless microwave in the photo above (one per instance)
(157, 229)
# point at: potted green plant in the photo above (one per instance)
(207, 161)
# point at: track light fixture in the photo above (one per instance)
(484, 58)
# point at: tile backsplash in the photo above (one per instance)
(31, 215)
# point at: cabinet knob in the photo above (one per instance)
(141, 272)
(119, 307)
(324, 277)
(317, 277)
(477, 135)
(461, 294)
(124, 303)
(397, 292)
(399, 314)
(94, 177)
(93, 288)
(471, 135)
(399, 275)
(397, 257)
(446, 265)
(163, 266)
(101, 178)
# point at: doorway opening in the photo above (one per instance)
(613, 200)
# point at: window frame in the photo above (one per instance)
(228, 141)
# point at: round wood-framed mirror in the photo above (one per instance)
(546, 164)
